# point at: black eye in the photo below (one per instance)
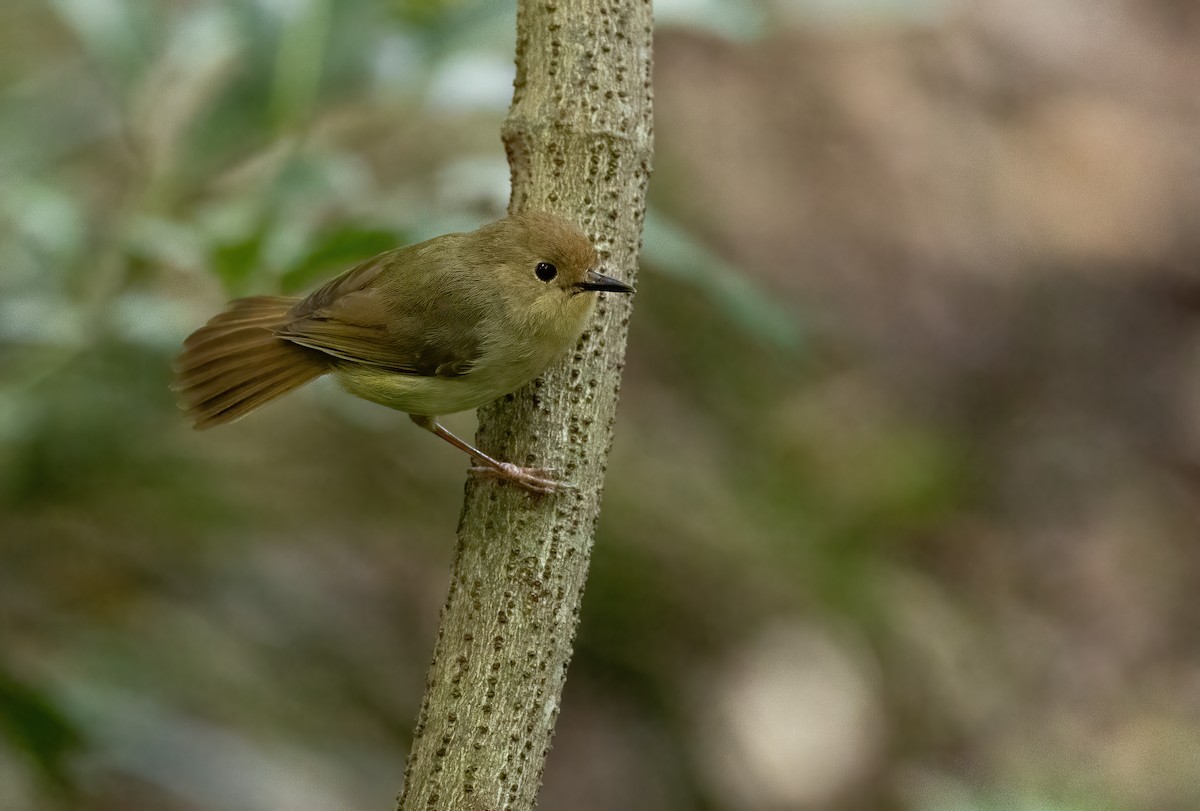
(546, 271)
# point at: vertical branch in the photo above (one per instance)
(579, 142)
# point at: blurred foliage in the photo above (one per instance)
(37, 727)
(899, 512)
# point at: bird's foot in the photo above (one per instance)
(534, 479)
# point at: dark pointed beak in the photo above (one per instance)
(598, 281)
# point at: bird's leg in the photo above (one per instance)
(531, 478)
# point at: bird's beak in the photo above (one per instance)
(598, 281)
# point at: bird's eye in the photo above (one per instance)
(546, 271)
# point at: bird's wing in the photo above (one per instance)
(415, 332)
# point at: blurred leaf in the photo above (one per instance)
(166, 242)
(150, 318)
(236, 261)
(340, 250)
(457, 25)
(40, 318)
(423, 12)
(193, 68)
(51, 218)
(85, 429)
(675, 252)
(298, 66)
(114, 32)
(734, 19)
(38, 728)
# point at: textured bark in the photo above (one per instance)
(579, 141)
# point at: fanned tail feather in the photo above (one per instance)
(235, 363)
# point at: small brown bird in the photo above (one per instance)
(438, 327)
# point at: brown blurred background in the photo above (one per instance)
(902, 511)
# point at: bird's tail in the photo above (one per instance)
(235, 363)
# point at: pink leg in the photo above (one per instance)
(531, 478)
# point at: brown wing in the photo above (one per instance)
(369, 315)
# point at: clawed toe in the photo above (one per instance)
(534, 479)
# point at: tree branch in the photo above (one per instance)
(579, 142)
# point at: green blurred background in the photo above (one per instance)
(902, 511)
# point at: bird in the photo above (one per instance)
(434, 328)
